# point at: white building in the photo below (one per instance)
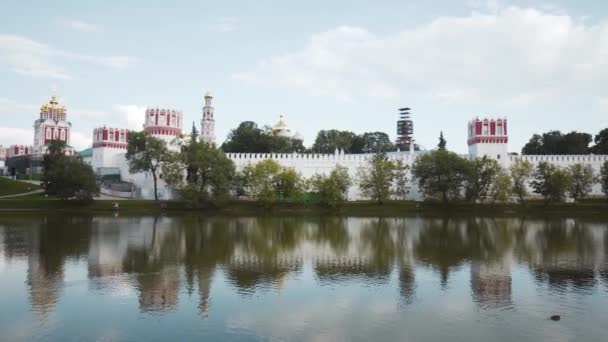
(208, 121)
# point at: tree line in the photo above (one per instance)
(248, 137)
(203, 174)
(555, 142)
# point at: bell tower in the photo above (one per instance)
(208, 121)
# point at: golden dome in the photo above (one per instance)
(53, 100)
(281, 125)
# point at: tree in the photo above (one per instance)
(554, 142)
(401, 180)
(582, 179)
(440, 174)
(604, 178)
(601, 142)
(551, 182)
(328, 141)
(249, 138)
(201, 172)
(502, 188)
(332, 189)
(267, 181)
(71, 178)
(146, 153)
(521, 171)
(481, 174)
(442, 142)
(376, 142)
(53, 156)
(376, 178)
(534, 146)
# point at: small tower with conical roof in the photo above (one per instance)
(208, 121)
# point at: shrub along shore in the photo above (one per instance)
(591, 207)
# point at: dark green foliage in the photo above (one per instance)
(146, 153)
(328, 141)
(604, 178)
(440, 175)
(442, 142)
(332, 189)
(601, 142)
(375, 142)
(480, 176)
(550, 182)
(70, 178)
(249, 138)
(555, 142)
(201, 173)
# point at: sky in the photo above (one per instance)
(345, 65)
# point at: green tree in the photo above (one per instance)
(53, 156)
(440, 174)
(332, 189)
(376, 142)
(582, 179)
(502, 188)
(554, 142)
(249, 138)
(551, 182)
(71, 178)
(146, 153)
(376, 178)
(521, 171)
(401, 180)
(442, 142)
(268, 181)
(601, 142)
(328, 141)
(481, 174)
(604, 178)
(201, 172)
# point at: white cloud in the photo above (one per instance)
(28, 57)
(131, 115)
(514, 54)
(77, 25)
(79, 140)
(225, 24)
(16, 136)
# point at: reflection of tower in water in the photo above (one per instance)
(491, 283)
(205, 279)
(159, 291)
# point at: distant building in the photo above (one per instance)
(208, 121)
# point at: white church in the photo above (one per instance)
(486, 137)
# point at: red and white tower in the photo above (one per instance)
(163, 123)
(108, 143)
(208, 121)
(52, 125)
(489, 137)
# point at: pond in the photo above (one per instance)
(304, 278)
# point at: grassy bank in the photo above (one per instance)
(11, 187)
(595, 208)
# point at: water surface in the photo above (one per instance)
(104, 278)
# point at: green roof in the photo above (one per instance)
(85, 153)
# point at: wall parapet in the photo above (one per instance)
(563, 158)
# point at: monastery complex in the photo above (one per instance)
(486, 137)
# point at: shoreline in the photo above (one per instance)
(593, 208)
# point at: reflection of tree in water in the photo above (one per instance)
(446, 244)
(563, 253)
(47, 241)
